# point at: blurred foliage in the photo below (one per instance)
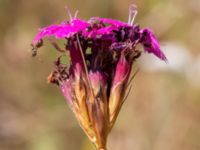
(163, 108)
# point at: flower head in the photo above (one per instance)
(95, 82)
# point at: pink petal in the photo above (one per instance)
(151, 45)
(60, 31)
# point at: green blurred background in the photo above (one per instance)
(162, 111)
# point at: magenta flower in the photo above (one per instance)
(102, 52)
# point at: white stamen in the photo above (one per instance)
(76, 14)
(129, 16)
(132, 14)
(69, 13)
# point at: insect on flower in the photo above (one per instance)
(95, 83)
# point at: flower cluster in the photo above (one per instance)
(95, 82)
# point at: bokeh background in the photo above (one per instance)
(162, 111)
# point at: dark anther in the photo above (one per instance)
(88, 29)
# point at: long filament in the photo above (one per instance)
(69, 13)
